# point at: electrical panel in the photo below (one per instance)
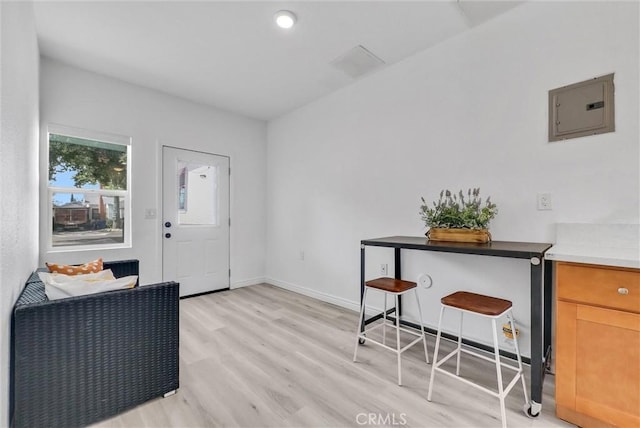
(584, 108)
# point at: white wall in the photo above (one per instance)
(19, 166)
(471, 112)
(81, 99)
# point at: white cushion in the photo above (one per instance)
(60, 286)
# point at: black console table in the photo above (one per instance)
(541, 290)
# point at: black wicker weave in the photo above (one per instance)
(80, 360)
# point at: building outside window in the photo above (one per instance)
(88, 186)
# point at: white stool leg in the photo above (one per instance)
(360, 321)
(459, 345)
(496, 349)
(435, 354)
(520, 368)
(384, 321)
(398, 343)
(424, 337)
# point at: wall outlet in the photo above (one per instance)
(544, 201)
(384, 269)
(301, 255)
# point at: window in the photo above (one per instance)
(88, 190)
(197, 194)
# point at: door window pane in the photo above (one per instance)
(197, 194)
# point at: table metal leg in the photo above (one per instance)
(362, 323)
(398, 275)
(537, 335)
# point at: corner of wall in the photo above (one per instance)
(19, 123)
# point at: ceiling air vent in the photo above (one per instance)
(357, 62)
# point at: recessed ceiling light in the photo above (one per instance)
(285, 19)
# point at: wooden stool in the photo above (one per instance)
(393, 287)
(489, 307)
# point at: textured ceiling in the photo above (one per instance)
(230, 55)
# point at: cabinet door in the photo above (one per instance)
(598, 364)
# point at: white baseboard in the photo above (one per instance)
(339, 301)
(247, 282)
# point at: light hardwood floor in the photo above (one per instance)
(261, 356)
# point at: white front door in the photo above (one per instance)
(195, 220)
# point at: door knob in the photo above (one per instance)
(167, 224)
(167, 235)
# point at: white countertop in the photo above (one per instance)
(608, 256)
(599, 244)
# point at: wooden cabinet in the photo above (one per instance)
(598, 345)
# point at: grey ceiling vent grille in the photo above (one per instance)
(357, 62)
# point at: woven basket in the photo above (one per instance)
(506, 330)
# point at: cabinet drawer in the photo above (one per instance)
(599, 285)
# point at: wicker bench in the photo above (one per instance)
(80, 360)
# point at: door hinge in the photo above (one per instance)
(229, 273)
(229, 171)
(229, 221)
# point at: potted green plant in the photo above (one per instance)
(455, 217)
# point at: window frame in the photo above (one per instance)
(50, 190)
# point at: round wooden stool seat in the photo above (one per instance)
(391, 285)
(478, 303)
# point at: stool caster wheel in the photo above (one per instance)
(529, 412)
(361, 341)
